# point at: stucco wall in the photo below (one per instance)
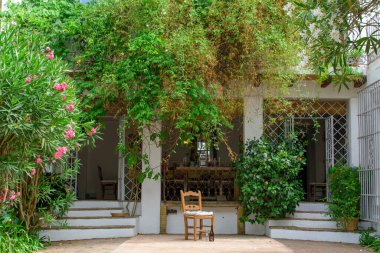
(226, 219)
(373, 72)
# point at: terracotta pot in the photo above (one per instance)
(351, 225)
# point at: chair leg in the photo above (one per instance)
(213, 223)
(186, 229)
(195, 229)
(200, 228)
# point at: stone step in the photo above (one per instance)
(98, 221)
(309, 215)
(312, 207)
(312, 234)
(97, 204)
(87, 232)
(86, 212)
(304, 223)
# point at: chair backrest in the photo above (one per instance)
(100, 173)
(191, 207)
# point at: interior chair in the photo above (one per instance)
(110, 185)
(195, 213)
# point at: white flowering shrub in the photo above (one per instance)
(335, 31)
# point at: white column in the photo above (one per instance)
(253, 128)
(151, 189)
(253, 114)
(353, 132)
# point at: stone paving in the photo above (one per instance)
(222, 244)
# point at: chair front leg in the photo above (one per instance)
(200, 228)
(186, 228)
(195, 228)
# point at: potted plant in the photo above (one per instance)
(344, 204)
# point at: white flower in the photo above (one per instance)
(314, 30)
(335, 35)
(289, 8)
(317, 12)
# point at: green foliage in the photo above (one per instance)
(267, 173)
(14, 238)
(334, 31)
(345, 193)
(40, 125)
(370, 241)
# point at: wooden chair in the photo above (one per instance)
(107, 183)
(195, 213)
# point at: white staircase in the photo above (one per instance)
(90, 220)
(309, 222)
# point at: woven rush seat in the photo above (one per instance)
(199, 213)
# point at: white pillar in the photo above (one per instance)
(151, 189)
(253, 114)
(253, 128)
(353, 132)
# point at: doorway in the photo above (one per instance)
(99, 162)
(313, 174)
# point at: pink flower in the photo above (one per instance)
(50, 55)
(64, 97)
(92, 132)
(60, 152)
(35, 77)
(28, 79)
(53, 161)
(70, 107)
(33, 172)
(70, 133)
(60, 87)
(18, 194)
(63, 86)
(48, 49)
(12, 196)
(39, 160)
(57, 87)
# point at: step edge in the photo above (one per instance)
(87, 227)
(95, 209)
(294, 228)
(96, 217)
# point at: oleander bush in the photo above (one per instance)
(40, 125)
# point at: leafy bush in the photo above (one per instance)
(40, 125)
(370, 241)
(345, 193)
(14, 237)
(267, 173)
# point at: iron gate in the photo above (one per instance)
(369, 151)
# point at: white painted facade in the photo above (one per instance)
(151, 189)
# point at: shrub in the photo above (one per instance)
(370, 241)
(345, 193)
(40, 125)
(267, 173)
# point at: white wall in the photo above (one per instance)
(373, 72)
(151, 189)
(253, 128)
(225, 220)
(253, 114)
(311, 89)
(353, 131)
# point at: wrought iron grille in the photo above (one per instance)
(213, 182)
(281, 117)
(369, 151)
